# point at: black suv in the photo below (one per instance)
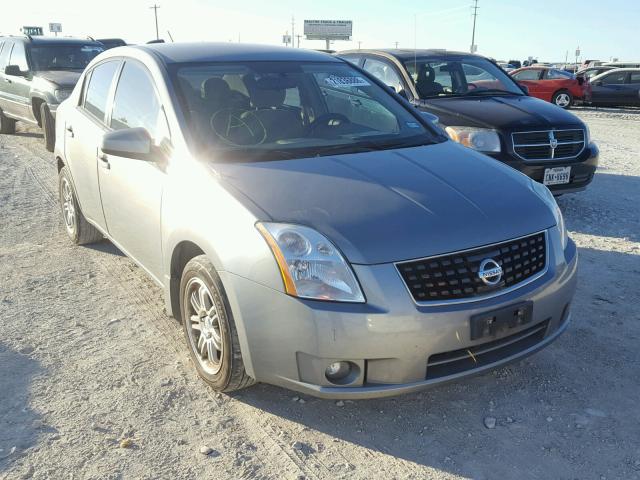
(480, 106)
(36, 74)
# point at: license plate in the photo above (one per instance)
(490, 324)
(556, 175)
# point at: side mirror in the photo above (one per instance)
(524, 89)
(14, 70)
(430, 117)
(597, 83)
(133, 143)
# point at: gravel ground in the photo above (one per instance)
(95, 381)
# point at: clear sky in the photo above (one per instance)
(546, 29)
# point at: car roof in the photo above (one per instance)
(42, 40)
(230, 52)
(615, 70)
(409, 53)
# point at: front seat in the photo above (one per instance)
(267, 99)
(426, 84)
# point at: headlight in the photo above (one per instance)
(545, 194)
(310, 265)
(481, 139)
(62, 94)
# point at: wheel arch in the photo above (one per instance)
(184, 251)
(35, 108)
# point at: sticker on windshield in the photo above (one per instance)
(336, 81)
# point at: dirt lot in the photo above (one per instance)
(95, 381)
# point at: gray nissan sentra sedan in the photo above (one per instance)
(310, 229)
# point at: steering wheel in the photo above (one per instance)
(238, 127)
(328, 122)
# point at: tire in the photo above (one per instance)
(219, 360)
(48, 127)
(79, 230)
(7, 125)
(563, 99)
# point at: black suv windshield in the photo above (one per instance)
(459, 76)
(266, 110)
(63, 57)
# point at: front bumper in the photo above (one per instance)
(583, 168)
(289, 342)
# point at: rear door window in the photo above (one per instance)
(634, 77)
(558, 75)
(97, 94)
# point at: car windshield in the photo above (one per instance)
(459, 76)
(267, 110)
(63, 57)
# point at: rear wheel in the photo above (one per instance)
(48, 127)
(79, 230)
(7, 125)
(209, 328)
(563, 99)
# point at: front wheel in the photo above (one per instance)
(209, 328)
(562, 99)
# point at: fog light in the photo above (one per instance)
(338, 371)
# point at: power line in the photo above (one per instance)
(155, 12)
(473, 34)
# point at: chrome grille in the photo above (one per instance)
(548, 144)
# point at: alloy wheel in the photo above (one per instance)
(203, 326)
(68, 206)
(563, 100)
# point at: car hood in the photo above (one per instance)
(61, 78)
(393, 205)
(501, 112)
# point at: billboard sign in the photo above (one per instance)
(55, 27)
(328, 29)
(32, 30)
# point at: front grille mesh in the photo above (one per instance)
(538, 145)
(455, 276)
(458, 361)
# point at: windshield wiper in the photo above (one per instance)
(488, 91)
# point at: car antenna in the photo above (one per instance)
(170, 36)
(415, 43)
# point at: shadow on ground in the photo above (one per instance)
(20, 426)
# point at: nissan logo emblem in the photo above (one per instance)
(490, 272)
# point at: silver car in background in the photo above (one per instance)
(309, 228)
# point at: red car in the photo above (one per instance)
(553, 85)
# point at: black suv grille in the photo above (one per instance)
(455, 276)
(539, 145)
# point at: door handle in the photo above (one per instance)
(104, 161)
(70, 130)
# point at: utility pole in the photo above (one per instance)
(359, 44)
(155, 12)
(298, 37)
(396, 45)
(293, 31)
(473, 33)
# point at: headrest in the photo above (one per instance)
(266, 92)
(426, 74)
(215, 89)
